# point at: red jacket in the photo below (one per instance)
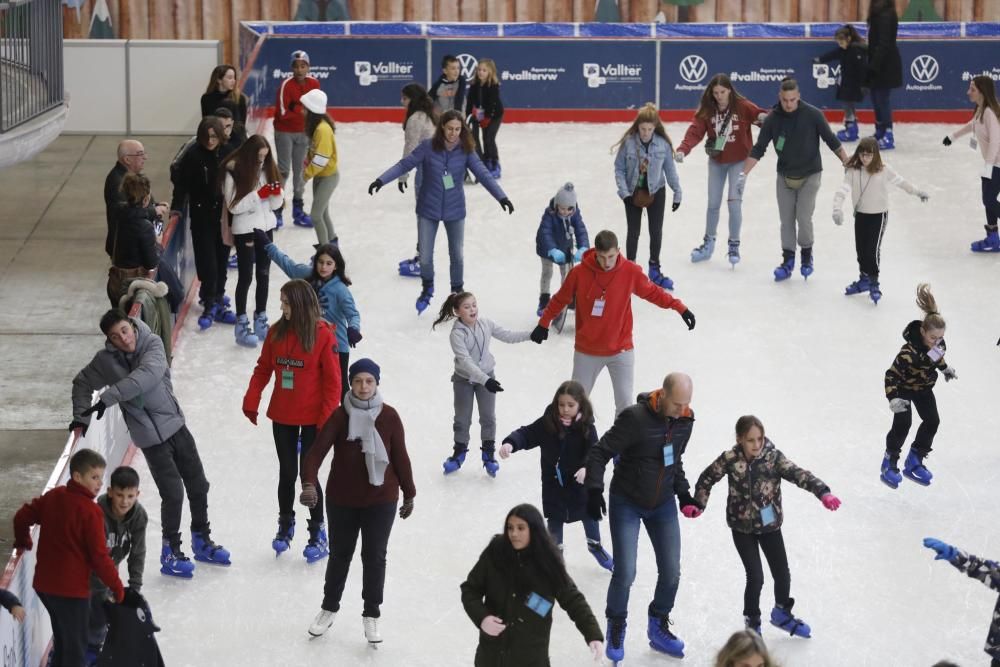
(71, 544)
(288, 110)
(740, 140)
(348, 484)
(316, 388)
(610, 333)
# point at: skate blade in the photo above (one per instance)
(914, 479)
(671, 654)
(208, 561)
(176, 575)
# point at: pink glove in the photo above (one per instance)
(830, 501)
(691, 511)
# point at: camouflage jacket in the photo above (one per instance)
(755, 485)
(915, 367)
(988, 572)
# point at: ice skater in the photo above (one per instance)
(448, 92)
(910, 380)
(418, 126)
(474, 379)
(852, 55)
(755, 468)
(867, 180)
(484, 109)
(322, 167)
(564, 433)
(561, 237)
(290, 141)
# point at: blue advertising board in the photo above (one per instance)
(567, 74)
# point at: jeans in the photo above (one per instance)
(291, 149)
(633, 220)
(69, 618)
(290, 458)
(991, 190)
(175, 467)
(374, 525)
(251, 262)
(591, 529)
(718, 174)
(749, 546)
(426, 233)
(621, 368)
(882, 106)
(210, 259)
(926, 406)
(323, 187)
(418, 179)
(665, 535)
(795, 209)
(868, 231)
(465, 392)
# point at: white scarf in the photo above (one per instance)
(361, 415)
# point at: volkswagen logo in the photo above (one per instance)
(693, 68)
(924, 68)
(468, 64)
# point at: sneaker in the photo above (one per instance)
(174, 563)
(371, 629)
(324, 619)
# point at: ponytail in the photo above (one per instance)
(449, 307)
(927, 303)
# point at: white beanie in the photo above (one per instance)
(566, 196)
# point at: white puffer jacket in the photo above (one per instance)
(251, 212)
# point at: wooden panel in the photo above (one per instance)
(419, 10)
(135, 25)
(843, 11)
(784, 11)
(445, 10)
(938, 7)
(624, 9)
(388, 10)
(813, 11)
(559, 11)
(361, 10)
(644, 11)
(728, 10)
(703, 13)
(161, 20)
(583, 11)
(471, 11)
(73, 28)
(756, 11)
(529, 11)
(500, 12)
(274, 10)
(987, 10)
(186, 18)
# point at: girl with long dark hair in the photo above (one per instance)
(418, 126)
(223, 91)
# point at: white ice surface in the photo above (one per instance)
(803, 357)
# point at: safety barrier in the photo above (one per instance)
(603, 72)
(31, 64)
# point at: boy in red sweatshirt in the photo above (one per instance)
(290, 141)
(71, 546)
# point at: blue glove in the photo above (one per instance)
(578, 257)
(557, 256)
(944, 551)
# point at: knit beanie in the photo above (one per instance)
(566, 196)
(364, 366)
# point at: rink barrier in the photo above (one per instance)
(602, 72)
(28, 644)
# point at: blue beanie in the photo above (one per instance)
(364, 366)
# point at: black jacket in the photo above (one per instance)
(885, 67)
(212, 101)
(640, 436)
(563, 498)
(113, 196)
(486, 98)
(196, 181)
(853, 70)
(914, 369)
(459, 99)
(802, 129)
(501, 584)
(134, 244)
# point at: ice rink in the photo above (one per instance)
(800, 355)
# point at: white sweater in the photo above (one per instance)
(870, 192)
(987, 134)
(471, 346)
(251, 212)
(419, 128)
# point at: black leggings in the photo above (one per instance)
(286, 440)
(633, 217)
(773, 546)
(991, 189)
(345, 362)
(210, 259)
(868, 231)
(248, 259)
(926, 406)
(373, 523)
(487, 150)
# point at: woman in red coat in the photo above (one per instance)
(300, 352)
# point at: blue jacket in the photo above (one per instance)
(661, 166)
(554, 233)
(335, 300)
(433, 201)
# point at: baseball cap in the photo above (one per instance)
(300, 55)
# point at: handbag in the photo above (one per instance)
(710, 146)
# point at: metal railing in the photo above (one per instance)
(31, 60)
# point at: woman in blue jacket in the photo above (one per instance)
(441, 197)
(328, 276)
(644, 163)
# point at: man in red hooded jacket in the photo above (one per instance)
(603, 284)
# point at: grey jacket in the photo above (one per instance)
(471, 345)
(125, 539)
(139, 382)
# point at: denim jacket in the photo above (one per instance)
(661, 166)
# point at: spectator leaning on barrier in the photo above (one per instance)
(795, 128)
(133, 373)
(290, 141)
(229, 142)
(134, 249)
(223, 91)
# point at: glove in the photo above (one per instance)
(944, 551)
(676, 205)
(923, 195)
(401, 185)
(73, 425)
(580, 475)
(507, 206)
(493, 386)
(946, 142)
(741, 182)
(308, 497)
(838, 217)
(375, 186)
(98, 407)
(578, 256)
(688, 318)
(830, 501)
(492, 626)
(506, 449)
(132, 598)
(540, 333)
(276, 190)
(557, 256)
(353, 336)
(484, 123)
(260, 238)
(678, 157)
(265, 191)
(596, 508)
(691, 511)
(949, 374)
(251, 415)
(899, 404)
(406, 509)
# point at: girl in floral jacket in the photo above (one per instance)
(755, 468)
